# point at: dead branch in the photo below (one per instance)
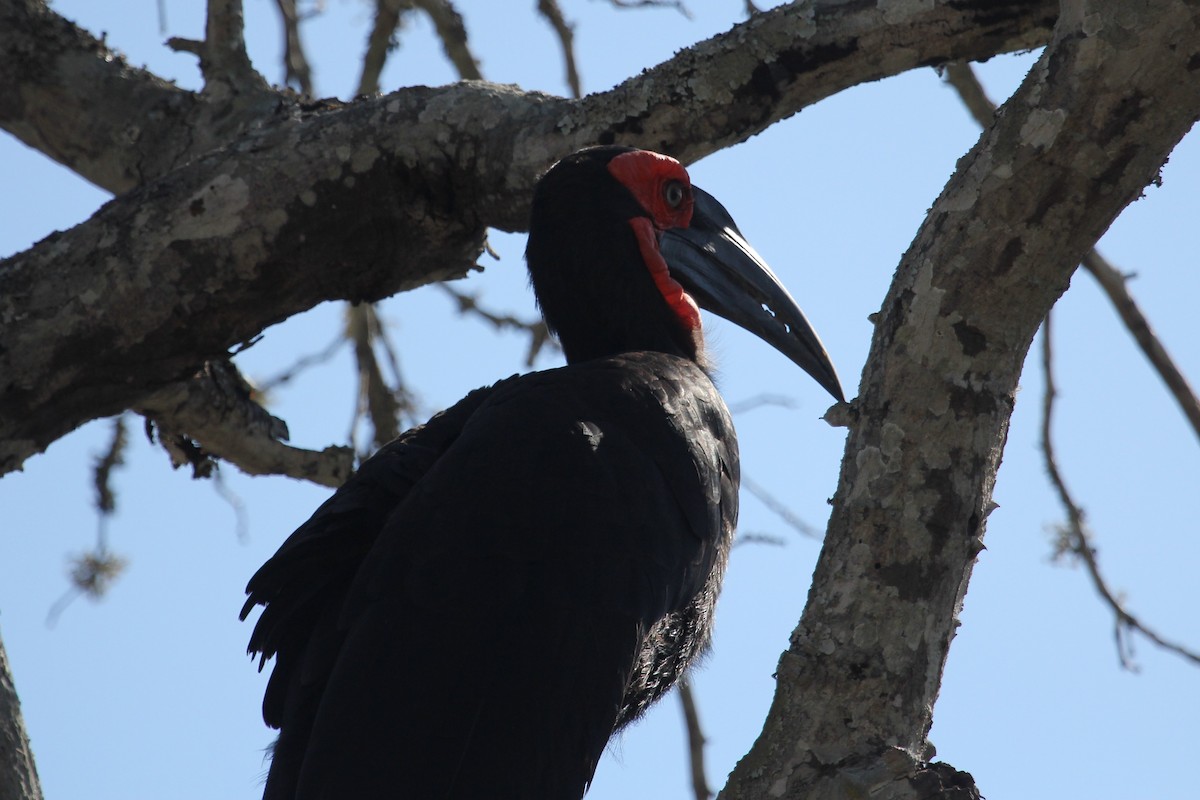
(566, 37)
(1114, 285)
(389, 14)
(539, 334)
(296, 69)
(695, 739)
(780, 509)
(1075, 537)
(215, 409)
(375, 397)
(677, 5)
(453, 33)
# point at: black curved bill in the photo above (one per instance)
(720, 269)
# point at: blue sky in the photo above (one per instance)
(149, 694)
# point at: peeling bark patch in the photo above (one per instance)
(1042, 127)
(972, 339)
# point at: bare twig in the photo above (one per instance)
(453, 32)
(1113, 284)
(760, 400)
(223, 59)
(695, 736)
(752, 537)
(675, 4)
(92, 573)
(388, 17)
(301, 364)
(113, 457)
(539, 334)
(296, 70)
(241, 525)
(961, 76)
(1075, 538)
(782, 511)
(376, 398)
(566, 36)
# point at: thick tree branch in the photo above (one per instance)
(1091, 125)
(361, 201)
(66, 94)
(963, 79)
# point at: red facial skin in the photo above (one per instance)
(654, 180)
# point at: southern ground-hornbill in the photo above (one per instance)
(492, 595)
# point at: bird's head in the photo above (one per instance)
(623, 251)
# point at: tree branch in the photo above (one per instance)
(18, 773)
(963, 79)
(453, 32)
(215, 409)
(278, 223)
(1113, 284)
(296, 69)
(388, 16)
(566, 37)
(1076, 539)
(66, 94)
(1090, 126)
(695, 740)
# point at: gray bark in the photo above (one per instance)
(310, 203)
(1117, 88)
(18, 773)
(226, 224)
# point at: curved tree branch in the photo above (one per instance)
(1090, 126)
(361, 201)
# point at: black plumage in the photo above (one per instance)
(494, 593)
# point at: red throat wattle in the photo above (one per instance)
(680, 301)
(661, 186)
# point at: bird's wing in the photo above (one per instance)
(303, 585)
(494, 627)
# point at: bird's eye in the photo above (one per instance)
(673, 193)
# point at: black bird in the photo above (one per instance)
(493, 594)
